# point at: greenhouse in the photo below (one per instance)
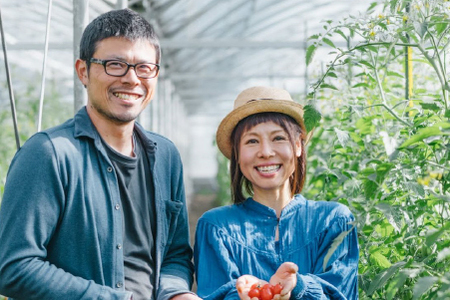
(371, 77)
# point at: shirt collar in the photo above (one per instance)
(259, 208)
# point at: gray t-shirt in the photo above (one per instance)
(137, 196)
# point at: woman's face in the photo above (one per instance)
(266, 157)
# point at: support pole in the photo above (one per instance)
(44, 65)
(10, 88)
(80, 21)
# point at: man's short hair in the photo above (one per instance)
(117, 23)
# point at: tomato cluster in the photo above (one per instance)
(265, 292)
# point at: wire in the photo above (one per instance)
(10, 88)
(44, 63)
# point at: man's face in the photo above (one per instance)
(119, 99)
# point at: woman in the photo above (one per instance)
(275, 235)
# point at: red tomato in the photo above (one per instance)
(266, 293)
(254, 292)
(277, 288)
(255, 286)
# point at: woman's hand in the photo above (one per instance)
(286, 275)
(244, 283)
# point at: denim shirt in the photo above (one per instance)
(235, 240)
(61, 227)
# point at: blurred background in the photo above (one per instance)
(211, 51)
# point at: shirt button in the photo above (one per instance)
(117, 207)
(119, 284)
(109, 169)
(119, 246)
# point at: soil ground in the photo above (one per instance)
(198, 205)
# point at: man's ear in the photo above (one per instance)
(82, 71)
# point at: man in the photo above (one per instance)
(95, 208)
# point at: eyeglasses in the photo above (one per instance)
(119, 68)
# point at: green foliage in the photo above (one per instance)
(223, 180)
(389, 134)
(26, 94)
(55, 111)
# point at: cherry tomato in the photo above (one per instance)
(266, 293)
(267, 286)
(255, 286)
(254, 292)
(277, 288)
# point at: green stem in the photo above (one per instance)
(441, 65)
(383, 96)
(345, 53)
(391, 112)
(444, 84)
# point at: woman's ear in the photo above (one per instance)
(298, 147)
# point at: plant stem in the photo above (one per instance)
(444, 85)
(383, 96)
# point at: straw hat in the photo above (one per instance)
(254, 100)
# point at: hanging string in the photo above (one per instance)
(10, 88)
(44, 63)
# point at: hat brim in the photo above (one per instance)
(226, 127)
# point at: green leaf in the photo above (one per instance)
(332, 74)
(310, 53)
(338, 31)
(373, 48)
(392, 214)
(423, 285)
(328, 42)
(393, 6)
(447, 113)
(381, 278)
(370, 188)
(430, 106)
(440, 27)
(342, 136)
(421, 135)
(371, 7)
(392, 73)
(443, 254)
(421, 28)
(396, 283)
(432, 237)
(366, 63)
(311, 117)
(382, 25)
(365, 125)
(314, 37)
(361, 84)
(328, 86)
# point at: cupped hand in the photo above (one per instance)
(286, 275)
(244, 283)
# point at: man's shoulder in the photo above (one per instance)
(51, 135)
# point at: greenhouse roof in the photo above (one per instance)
(211, 49)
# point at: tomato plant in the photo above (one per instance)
(382, 105)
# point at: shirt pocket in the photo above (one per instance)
(173, 210)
